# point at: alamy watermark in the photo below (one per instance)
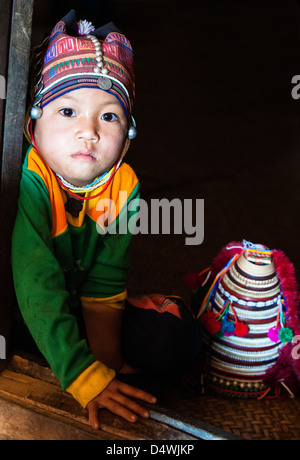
(159, 216)
(2, 87)
(2, 347)
(296, 88)
(296, 348)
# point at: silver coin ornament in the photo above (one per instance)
(104, 83)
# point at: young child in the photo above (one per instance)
(69, 270)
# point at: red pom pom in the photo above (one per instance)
(207, 316)
(212, 326)
(241, 329)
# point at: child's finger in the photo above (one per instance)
(118, 409)
(112, 406)
(131, 405)
(136, 393)
(93, 416)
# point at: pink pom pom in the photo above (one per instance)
(228, 334)
(273, 334)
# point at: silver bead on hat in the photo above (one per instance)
(36, 111)
(103, 82)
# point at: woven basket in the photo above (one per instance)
(244, 321)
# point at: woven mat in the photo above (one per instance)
(267, 419)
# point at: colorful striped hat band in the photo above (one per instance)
(100, 59)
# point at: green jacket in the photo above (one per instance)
(60, 256)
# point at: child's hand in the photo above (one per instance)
(116, 398)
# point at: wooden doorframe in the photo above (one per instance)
(5, 26)
(15, 44)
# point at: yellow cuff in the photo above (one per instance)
(116, 301)
(91, 382)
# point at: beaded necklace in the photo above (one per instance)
(108, 178)
(86, 188)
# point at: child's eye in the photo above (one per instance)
(68, 112)
(108, 117)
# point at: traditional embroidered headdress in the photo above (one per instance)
(249, 317)
(80, 56)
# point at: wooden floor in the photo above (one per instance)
(34, 407)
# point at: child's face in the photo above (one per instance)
(81, 134)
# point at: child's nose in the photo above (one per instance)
(88, 131)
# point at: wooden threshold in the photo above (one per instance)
(34, 407)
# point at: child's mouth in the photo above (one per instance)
(84, 155)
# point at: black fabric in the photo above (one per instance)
(160, 343)
(71, 22)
